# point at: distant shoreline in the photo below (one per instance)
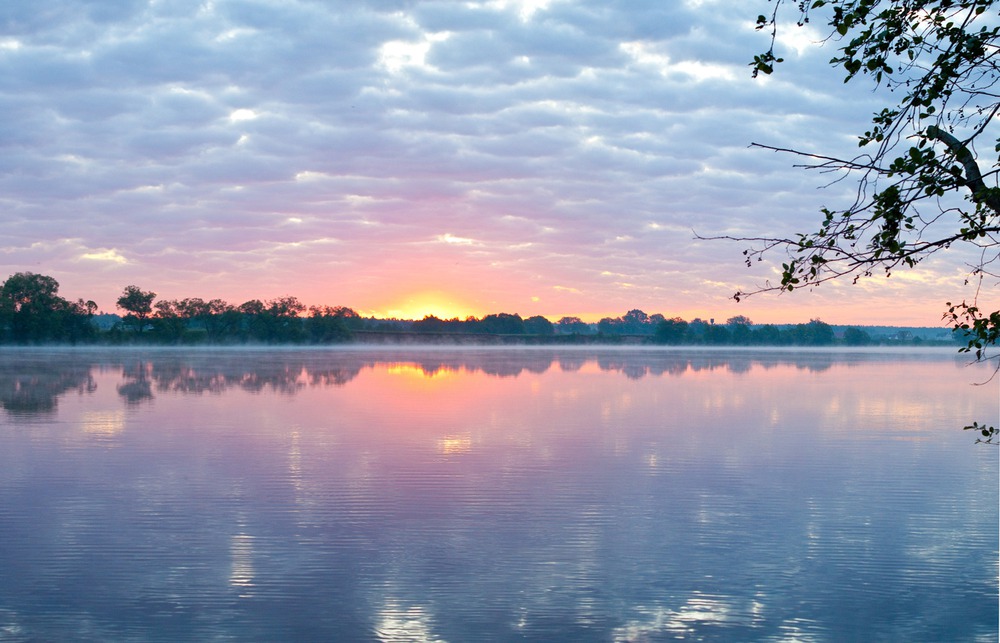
(429, 341)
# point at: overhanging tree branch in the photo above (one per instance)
(942, 57)
(973, 177)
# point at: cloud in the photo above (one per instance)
(111, 256)
(540, 143)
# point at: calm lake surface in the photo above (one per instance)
(495, 495)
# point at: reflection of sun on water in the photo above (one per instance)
(418, 372)
(414, 374)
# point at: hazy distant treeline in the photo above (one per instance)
(32, 312)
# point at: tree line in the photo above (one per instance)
(33, 312)
(654, 329)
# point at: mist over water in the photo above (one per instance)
(495, 494)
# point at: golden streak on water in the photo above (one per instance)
(417, 371)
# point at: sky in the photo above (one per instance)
(407, 157)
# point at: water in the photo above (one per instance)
(495, 495)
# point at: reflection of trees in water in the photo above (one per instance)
(136, 387)
(816, 364)
(513, 369)
(284, 379)
(429, 369)
(497, 363)
(274, 372)
(31, 386)
(572, 362)
(176, 376)
(639, 364)
(633, 364)
(740, 365)
(621, 364)
(332, 376)
(31, 382)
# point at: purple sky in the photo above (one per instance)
(419, 157)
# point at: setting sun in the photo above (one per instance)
(422, 304)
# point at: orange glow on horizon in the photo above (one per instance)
(432, 302)
(864, 307)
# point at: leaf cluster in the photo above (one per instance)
(921, 158)
(927, 174)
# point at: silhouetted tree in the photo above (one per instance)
(168, 322)
(815, 333)
(740, 332)
(429, 324)
(138, 304)
(503, 324)
(671, 331)
(572, 325)
(634, 322)
(276, 321)
(220, 320)
(769, 335)
(31, 310)
(609, 325)
(637, 322)
(856, 337)
(328, 324)
(696, 330)
(714, 334)
(538, 325)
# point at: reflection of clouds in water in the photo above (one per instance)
(801, 630)
(398, 624)
(295, 462)
(241, 570)
(10, 627)
(455, 444)
(697, 616)
(501, 512)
